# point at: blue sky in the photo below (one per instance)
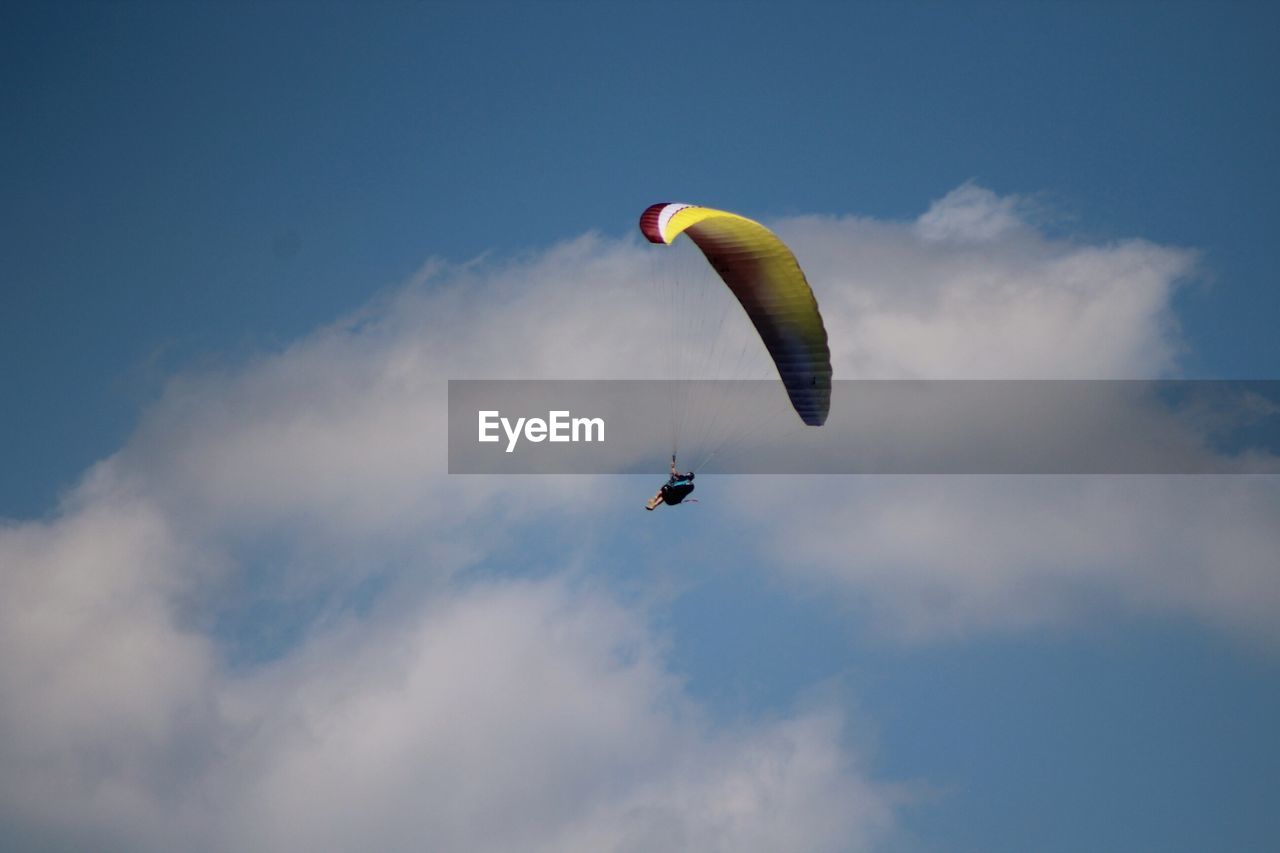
(189, 182)
(196, 196)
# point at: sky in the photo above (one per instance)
(245, 246)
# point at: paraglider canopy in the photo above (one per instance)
(767, 280)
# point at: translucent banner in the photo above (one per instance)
(875, 427)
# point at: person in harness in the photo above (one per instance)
(676, 489)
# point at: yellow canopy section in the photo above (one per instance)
(766, 278)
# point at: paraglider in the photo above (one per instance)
(676, 489)
(764, 275)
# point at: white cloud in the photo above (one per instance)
(457, 714)
(939, 557)
(971, 214)
(969, 291)
(503, 715)
(539, 715)
(102, 693)
(1011, 305)
(528, 716)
